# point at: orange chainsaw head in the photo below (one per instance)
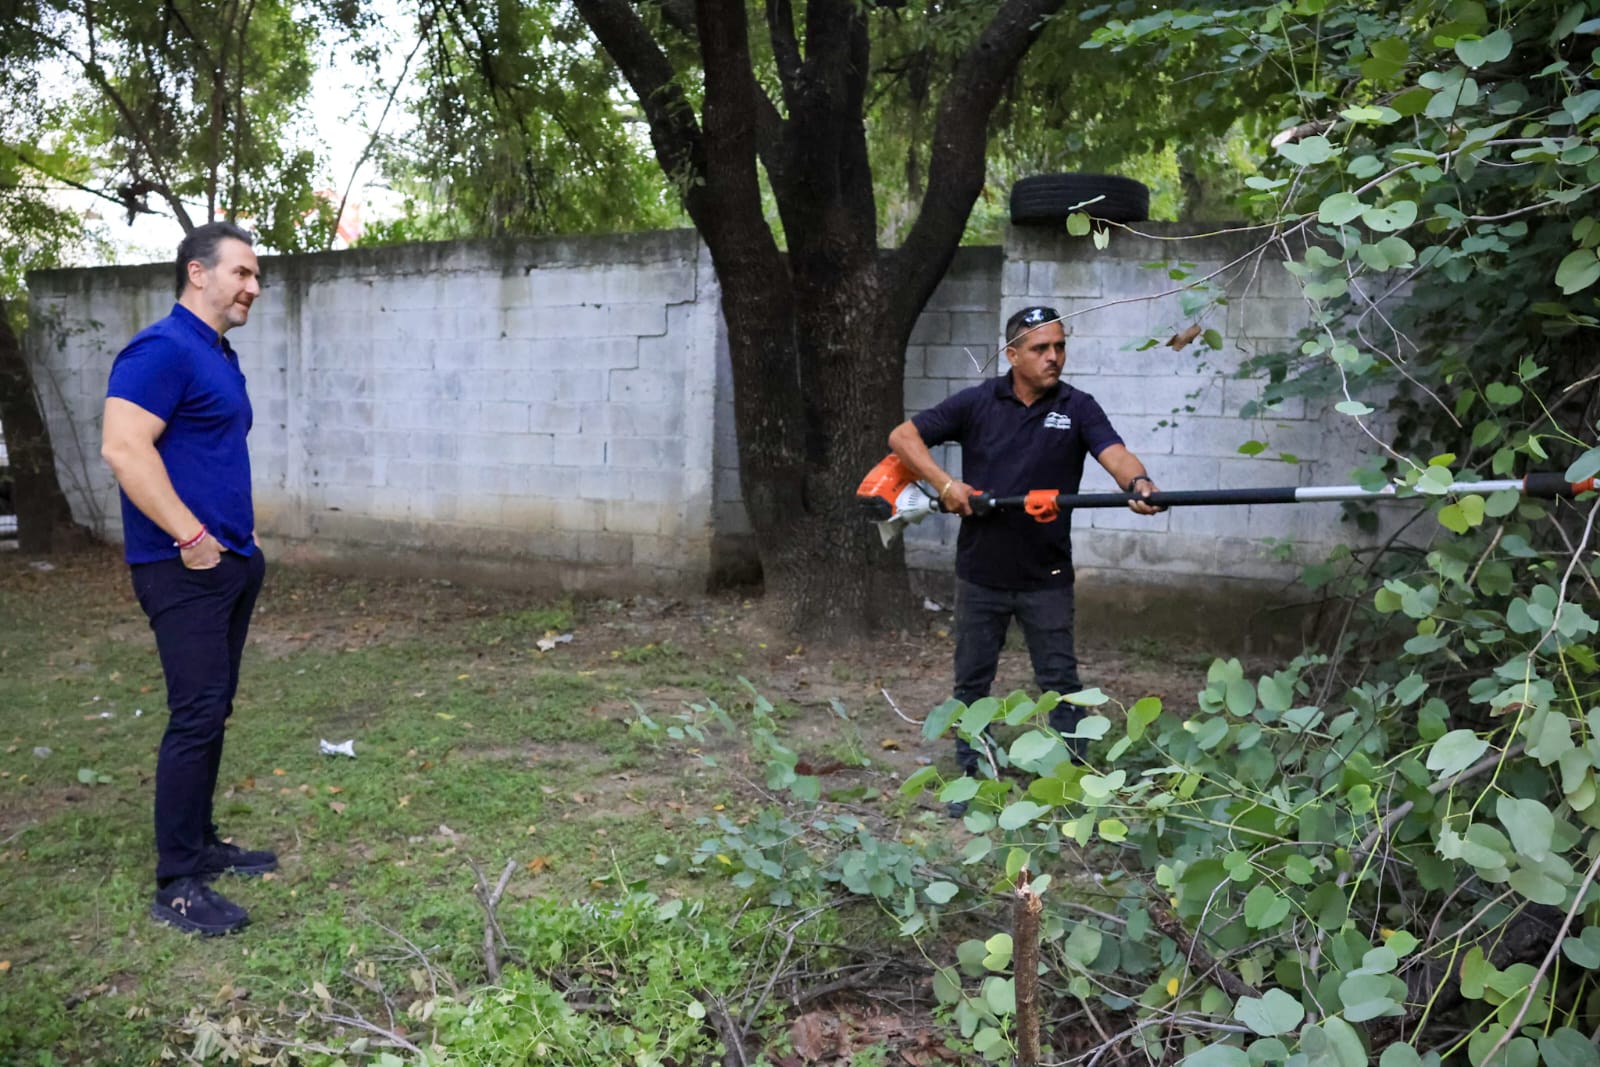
(879, 492)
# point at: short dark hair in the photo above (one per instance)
(201, 244)
(1028, 319)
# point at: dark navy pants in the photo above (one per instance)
(200, 619)
(1046, 616)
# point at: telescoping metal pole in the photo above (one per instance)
(1043, 502)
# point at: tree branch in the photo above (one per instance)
(377, 130)
(960, 142)
(674, 133)
(785, 49)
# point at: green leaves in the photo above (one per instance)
(1308, 151)
(1577, 271)
(1340, 208)
(1476, 52)
(1274, 1012)
(1584, 467)
(1264, 907)
(1455, 752)
(1369, 996)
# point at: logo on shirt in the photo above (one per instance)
(1057, 421)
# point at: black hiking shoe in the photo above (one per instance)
(956, 809)
(224, 858)
(194, 907)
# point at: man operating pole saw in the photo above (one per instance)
(1017, 432)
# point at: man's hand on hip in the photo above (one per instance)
(203, 556)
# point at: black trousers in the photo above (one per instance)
(200, 619)
(1046, 616)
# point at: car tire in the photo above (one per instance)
(1047, 199)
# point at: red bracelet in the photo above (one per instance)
(184, 546)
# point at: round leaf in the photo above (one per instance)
(1455, 752)
(1274, 1012)
(1340, 208)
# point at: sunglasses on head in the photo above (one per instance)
(1028, 318)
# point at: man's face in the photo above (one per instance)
(229, 288)
(1038, 356)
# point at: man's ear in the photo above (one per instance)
(197, 273)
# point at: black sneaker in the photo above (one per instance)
(956, 809)
(193, 906)
(224, 858)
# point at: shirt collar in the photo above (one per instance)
(212, 338)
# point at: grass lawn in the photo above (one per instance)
(472, 747)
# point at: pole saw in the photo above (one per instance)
(893, 498)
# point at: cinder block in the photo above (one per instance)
(578, 450)
(663, 487)
(1014, 278)
(583, 321)
(556, 286)
(646, 420)
(578, 515)
(502, 417)
(609, 547)
(932, 328)
(632, 517)
(644, 386)
(945, 361)
(667, 553)
(653, 453)
(603, 484)
(581, 386)
(554, 418)
(924, 393)
(1051, 280)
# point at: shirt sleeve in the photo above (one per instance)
(152, 374)
(946, 420)
(1098, 433)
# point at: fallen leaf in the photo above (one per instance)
(814, 1036)
(532, 830)
(335, 788)
(5, 965)
(579, 798)
(1179, 340)
(403, 801)
(462, 677)
(279, 772)
(538, 863)
(445, 714)
(888, 744)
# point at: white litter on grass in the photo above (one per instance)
(137, 712)
(343, 748)
(931, 605)
(546, 644)
(41, 565)
(41, 752)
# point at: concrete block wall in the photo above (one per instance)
(560, 411)
(539, 407)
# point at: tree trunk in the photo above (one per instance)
(43, 516)
(826, 573)
(817, 337)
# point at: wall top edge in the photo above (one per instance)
(505, 254)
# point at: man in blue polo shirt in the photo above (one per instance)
(1026, 430)
(176, 418)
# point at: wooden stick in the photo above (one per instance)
(1029, 907)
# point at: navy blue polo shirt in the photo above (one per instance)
(1008, 449)
(186, 374)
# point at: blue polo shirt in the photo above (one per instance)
(1007, 449)
(186, 374)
